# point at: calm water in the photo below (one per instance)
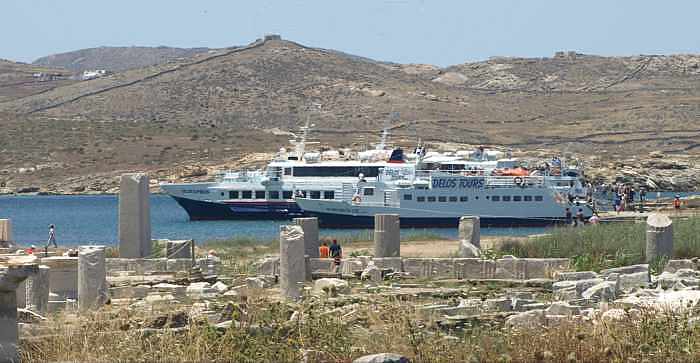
(93, 220)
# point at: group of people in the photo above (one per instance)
(333, 251)
(579, 219)
(625, 196)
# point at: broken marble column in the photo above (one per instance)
(134, 217)
(659, 237)
(292, 261)
(38, 287)
(10, 277)
(310, 228)
(92, 277)
(5, 231)
(387, 235)
(469, 237)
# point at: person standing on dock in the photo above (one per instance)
(677, 203)
(52, 237)
(567, 217)
(580, 219)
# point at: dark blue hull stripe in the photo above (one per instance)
(201, 210)
(344, 221)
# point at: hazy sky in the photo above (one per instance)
(417, 31)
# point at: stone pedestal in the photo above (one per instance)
(92, 277)
(292, 261)
(387, 236)
(38, 287)
(63, 278)
(134, 216)
(5, 230)
(10, 277)
(659, 237)
(310, 228)
(470, 230)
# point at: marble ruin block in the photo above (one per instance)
(63, 278)
(37, 290)
(470, 230)
(659, 237)
(5, 230)
(292, 261)
(134, 216)
(10, 278)
(387, 235)
(310, 228)
(389, 263)
(92, 277)
(178, 249)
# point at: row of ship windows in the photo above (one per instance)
(494, 198)
(274, 194)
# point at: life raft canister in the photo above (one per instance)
(356, 199)
(518, 181)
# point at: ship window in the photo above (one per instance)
(538, 198)
(506, 198)
(233, 194)
(527, 198)
(349, 171)
(477, 197)
(442, 199)
(246, 194)
(431, 199)
(463, 198)
(259, 194)
(274, 194)
(517, 198)
(453, 199)
(222, 194)
(328, 194)
(408, 197)
(420, 199)
(496, 198)
(369, 191)
(287, 194)
(315, 194)
(287, 171)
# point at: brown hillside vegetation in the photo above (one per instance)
(116, 59)
(18, 80)
(212, 108)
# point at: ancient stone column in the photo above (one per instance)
(134, 217)
(292, 261)
(38, 287)
(387, 235)
(92, 277)
(310, 228)
(10, 277)
(5, 231)
(659, 237)
(470, 229)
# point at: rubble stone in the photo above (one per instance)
(331, 286)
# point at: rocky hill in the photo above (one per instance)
(116, 59)
(220, 105)
(18, 80)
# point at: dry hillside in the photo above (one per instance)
(116, 59)
(215, 107)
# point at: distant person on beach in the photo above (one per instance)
(580, 219)
(567, 217)
(336, 253)
(594, 220)
(52, 237)
(677, 203)
(324, 251)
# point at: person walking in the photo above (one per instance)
(323, 251)
(52, 237)
(336, 253)
(677, 203)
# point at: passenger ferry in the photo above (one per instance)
(270, 193)
(502, 196)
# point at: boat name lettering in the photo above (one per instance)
(195, 191)
(453, 183)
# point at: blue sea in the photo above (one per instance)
(92, 219)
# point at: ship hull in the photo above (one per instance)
(332, 220)
(199, 210)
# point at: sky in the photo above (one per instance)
(405, 31)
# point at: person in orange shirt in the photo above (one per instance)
(323, 250)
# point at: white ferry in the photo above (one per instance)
(502, 196)
(270, 193)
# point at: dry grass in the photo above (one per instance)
(264, 333)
